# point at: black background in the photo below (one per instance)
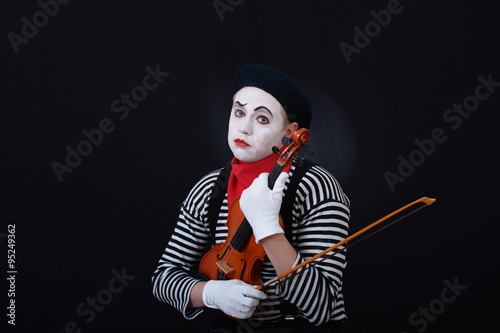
(117, 208)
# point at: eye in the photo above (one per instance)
(239, 113)
(263, 120)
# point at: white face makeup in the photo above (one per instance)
(257, 123)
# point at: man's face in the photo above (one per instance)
(257, 123)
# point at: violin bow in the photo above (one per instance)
(424, 200)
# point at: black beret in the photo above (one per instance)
(295, 102)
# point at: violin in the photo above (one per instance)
(240, 257)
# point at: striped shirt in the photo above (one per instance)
(320, 218)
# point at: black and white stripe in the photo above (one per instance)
(320, 219)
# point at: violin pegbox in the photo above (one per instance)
(293, 144)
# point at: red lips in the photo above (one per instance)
(241, 143)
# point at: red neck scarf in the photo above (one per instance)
(243, 174)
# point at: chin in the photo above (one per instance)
(243, 155)
(245, 158)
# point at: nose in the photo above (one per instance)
(245, 127)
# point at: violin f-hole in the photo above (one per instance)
(223, 254)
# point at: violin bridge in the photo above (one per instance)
(224, 268)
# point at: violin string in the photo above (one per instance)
(245, 231)
(273, 176)
(338, 250)
(237, 241)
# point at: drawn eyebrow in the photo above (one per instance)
(263, 107)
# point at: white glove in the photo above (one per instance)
(234, 297)
(261, 205)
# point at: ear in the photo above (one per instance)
(291, 128)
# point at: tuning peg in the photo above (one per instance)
(286, 141)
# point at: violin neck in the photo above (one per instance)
(274, 174)
(244, 232)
